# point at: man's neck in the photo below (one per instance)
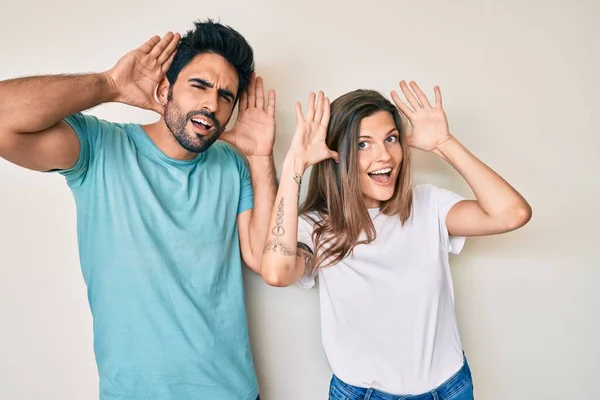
(164, 140)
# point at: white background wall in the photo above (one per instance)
(520, 85)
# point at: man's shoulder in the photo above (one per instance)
(226, 154)
(92, 124)
(225, 149)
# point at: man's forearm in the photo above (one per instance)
(33, 104)
(264, 186)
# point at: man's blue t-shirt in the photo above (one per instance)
(159, 251)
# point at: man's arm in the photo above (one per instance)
(253, 224)
(32, 131)
(254, 136)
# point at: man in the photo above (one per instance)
(164, 210)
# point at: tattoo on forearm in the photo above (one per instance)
(307, 259)
(304, 247)
(278, 231)
(307, 253)
(298, 180)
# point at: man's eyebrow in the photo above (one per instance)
(224, 92)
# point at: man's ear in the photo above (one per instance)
(162, 91)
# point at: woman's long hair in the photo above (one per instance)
(334, 190)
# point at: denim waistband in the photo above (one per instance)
(454, 384)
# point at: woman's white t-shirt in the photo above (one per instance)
(387, 310)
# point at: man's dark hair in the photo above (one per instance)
(213, 37)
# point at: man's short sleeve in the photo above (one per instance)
(246, 193)
(89, 130)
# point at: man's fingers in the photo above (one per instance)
(150, 43)
(260, 94)
(160, 47)
(243, 105)
(167, 64)
(271, 103)
(170, 50)
(252, 91)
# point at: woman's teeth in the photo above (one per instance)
(381, 171)
(381, 175)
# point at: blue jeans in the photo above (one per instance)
(458, 387)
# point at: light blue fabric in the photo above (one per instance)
(159, 250)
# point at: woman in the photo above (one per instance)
(380, 246)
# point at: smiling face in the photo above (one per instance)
(379, 158)
(374, 171)
(200, 103)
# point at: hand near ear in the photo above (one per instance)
(430, 125)
(308, 143)
(254, 131)
(137, 74)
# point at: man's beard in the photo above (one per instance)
(191, 141)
